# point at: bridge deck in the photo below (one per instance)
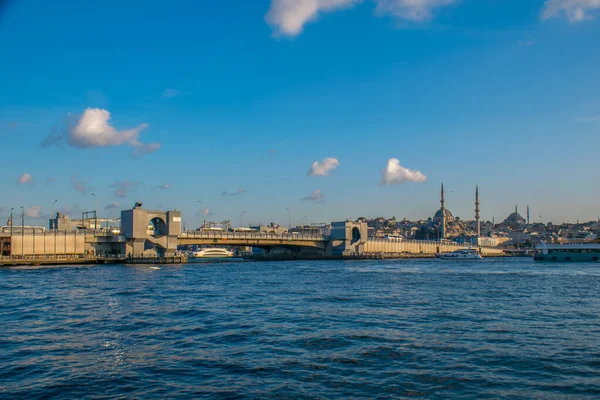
(254, 239)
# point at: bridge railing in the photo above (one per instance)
(251, 235)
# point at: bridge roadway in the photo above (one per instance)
(253, 239)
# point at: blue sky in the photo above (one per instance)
(244, 96)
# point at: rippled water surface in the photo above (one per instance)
(315, 329)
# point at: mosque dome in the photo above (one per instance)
(515, 218)
(438, 216)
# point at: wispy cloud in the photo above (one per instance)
(164, 186)
(396, 174)
(112, 206)
(235, 193)
(24, 178)
(527, 41)
(122, 188)
(80, 186)
(169, 93)
(288, 17)
(33, 212)
(575, 10)
(205, 212)
(323, 168)
(590, 118)
(412, 10)
(317, 196)
(93, 129)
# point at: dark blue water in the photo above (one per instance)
(356, 329)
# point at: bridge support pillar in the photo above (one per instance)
(348, 238)
(150, 233)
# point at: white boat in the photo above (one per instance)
(211, 252)
(466, 254)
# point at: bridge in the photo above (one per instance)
(145, 233)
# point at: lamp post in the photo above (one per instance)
(22, 232)
(95, 212)
(242, 219)
(303, 218)
(289, 218)
(203, 219)
(11, 221)
(53, 215)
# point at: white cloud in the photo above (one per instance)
(164, 186)
(288, 17)
(123, 188)
(93, 129)
(24, 178)
(33, 212)
(316, 196)
(168, 93)
(112, 206)
(575, 10)
(324, 167)
(396, 174)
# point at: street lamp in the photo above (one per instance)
(303, 218)
(242, 219)
(95, 212)
(22, 232)
(289, 218)
(53, 215)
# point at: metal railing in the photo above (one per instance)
(251, 235)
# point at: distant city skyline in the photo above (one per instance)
(332, 110)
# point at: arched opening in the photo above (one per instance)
(157, 227)
(355, 235)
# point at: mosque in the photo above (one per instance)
(449, 226)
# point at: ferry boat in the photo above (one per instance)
(466, 254)
(211, 252)
(567, 252)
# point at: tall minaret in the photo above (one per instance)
(477, 211)
(443, 227)
(527, 214)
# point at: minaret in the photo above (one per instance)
(527, 214)
(443, 227)
(516, 209)
(477, 219)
